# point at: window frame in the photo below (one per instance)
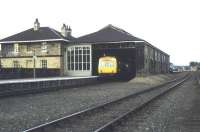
(78, 58)
(44, 47)
(16, 64)
(16, 48)
(43, 64)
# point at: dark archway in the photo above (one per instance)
(126, 58)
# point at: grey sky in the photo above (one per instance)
(171, 25)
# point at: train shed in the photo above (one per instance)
(140, 57)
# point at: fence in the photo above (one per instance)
(15, 73)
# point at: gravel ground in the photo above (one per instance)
(22, 112)
(92, 120)
(177, 111)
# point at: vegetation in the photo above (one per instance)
(192, 63)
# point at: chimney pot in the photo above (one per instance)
(66, 30)
(36, 25)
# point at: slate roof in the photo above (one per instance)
(109, 33)
(43, 34)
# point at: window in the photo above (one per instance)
(151, 54)
(78, 58)
(29, 64)
(156, 55)
(44, 47)
(16, 48)
(28, 48)
(43, 63)
(16, 64)
(146, 51)
(163, 58)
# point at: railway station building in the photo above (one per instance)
(139, 56)
(54, 53)
(41, 48)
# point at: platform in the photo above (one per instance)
(41, 79)
(31, 85)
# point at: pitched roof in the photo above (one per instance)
(109, 33)
(43, 34)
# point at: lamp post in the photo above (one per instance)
(34, 65)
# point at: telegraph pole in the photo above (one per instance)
(34, 65)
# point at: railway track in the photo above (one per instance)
(105, 116)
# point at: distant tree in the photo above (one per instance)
(192, 63)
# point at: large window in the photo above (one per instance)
(43, 63)
(78, 58)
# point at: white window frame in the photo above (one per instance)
(78, 61)
(16, 48)
(76, 64)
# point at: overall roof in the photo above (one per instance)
(112, 34)
(42, 34)
(108, 34)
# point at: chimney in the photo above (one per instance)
(36, 25)
(69, 31)
(66, 31)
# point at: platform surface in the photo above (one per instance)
(41, 79)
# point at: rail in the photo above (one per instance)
(50, 126)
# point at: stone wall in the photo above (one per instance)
(25, 55)
(27, 62)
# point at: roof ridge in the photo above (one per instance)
(44, 33)
(15, 34)
(54, 31)
(111, 26)
(120, 30)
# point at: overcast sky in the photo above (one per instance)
(171, 25)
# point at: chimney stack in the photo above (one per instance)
(36, 25)
(66, 31)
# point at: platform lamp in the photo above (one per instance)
(34, 64)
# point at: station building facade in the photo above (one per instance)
(48, 49)
(41, 48)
